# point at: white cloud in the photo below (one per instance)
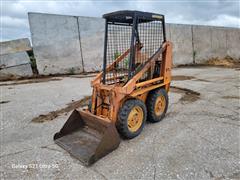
(14, 9)
(7, 21)
(220, 20)
(225, 20)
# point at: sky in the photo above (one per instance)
(14, 18)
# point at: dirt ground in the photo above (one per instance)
(198, 139)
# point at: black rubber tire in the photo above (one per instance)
(151, 99)
(122, 121)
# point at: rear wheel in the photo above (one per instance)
(131, 118)
(157, 104)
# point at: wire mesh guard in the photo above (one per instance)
(118, 41)
(148, 38)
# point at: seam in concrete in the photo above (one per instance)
(36, 68)
(99, 173)
(6, 67)
(153, 158)
(80, 44)
(52, 149)
(227, 41)
(193, 48)
(211, 37)
(170, 35)
(14, 153)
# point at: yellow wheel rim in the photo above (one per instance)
(135, 118)
(160, 105)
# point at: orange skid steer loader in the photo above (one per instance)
(132, 87)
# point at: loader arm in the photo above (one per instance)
(112, 66)
(98, 78)
(133, 89)
(132, 84)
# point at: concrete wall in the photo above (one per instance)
(208, 43)
(56, 43)
(215, 42)
(23, 70)
(14, 60)
(92, 40)
(181, 37)
(233, 42)
(64, 42)
(13, 46)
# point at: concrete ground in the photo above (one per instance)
(198, 139)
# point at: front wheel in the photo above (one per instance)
(131, 118)
(157, 104)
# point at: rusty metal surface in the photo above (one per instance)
(87, 137)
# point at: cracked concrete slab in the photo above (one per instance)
(196, 140)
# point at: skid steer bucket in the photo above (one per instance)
(87, 137)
